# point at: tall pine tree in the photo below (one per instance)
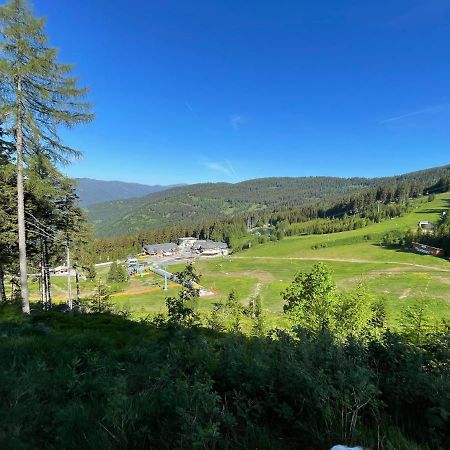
(38, 96)
(8, 217)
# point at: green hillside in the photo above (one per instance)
(402, 277)
(399, 276)
(213, 201)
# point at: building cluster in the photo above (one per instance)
(427, 249)
(428, 227)
(187, 246)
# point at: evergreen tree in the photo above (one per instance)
(182, 309)
(311, 299)
(257, 316)
(379, 318)
(38, 96)
(255, 306)
(122, 274)
(83, 254)
(216, 320)
(100, 301)
(54, 221)
(234, 308)
(416, 322)
(117, 273)
(112, 272)
(8, 218)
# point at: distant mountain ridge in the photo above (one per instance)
(210, 201)
(91, 191)
(197, 202)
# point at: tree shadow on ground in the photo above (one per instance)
(400, 249)
(106, 381)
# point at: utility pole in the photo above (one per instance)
(378, 205)
(44, 292)
(165, 281)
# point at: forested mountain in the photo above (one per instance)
(93, 191)
(208, 201)
(213, 200)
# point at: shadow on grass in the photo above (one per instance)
(411, 251)
(104, 381)
(435, 210)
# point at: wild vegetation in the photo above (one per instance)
(336, 374)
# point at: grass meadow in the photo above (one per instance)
(399, 276)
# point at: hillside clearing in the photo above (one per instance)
(401, 277)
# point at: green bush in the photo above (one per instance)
(117, 273)
(98, 381)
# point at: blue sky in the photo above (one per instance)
(229, 90)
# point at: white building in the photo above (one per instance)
(187, 247)
(210, 248)
(167, 249)
(426, 225)
(186, 242)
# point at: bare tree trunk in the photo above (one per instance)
(47, 283)
(69, 280)
(77, 281)
(44, 285)
(41, 277)
(42, 281)
(21, 206)
(47, 276)
(2, 285)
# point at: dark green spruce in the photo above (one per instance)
(39, 95)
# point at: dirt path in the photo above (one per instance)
(349, 260)
(262, 276)
(442, 279)
(267, 277)
(405, 294)
(138, 291)
(256, 290)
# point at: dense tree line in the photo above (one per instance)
(373, 204)
(261, 197)
(347, 222)
(207, 201)
(109, 249)
(38, 95)
(438, 237)
(54, 224)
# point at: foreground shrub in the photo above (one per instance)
(102, 381)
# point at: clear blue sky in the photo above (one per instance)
(193, 91)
